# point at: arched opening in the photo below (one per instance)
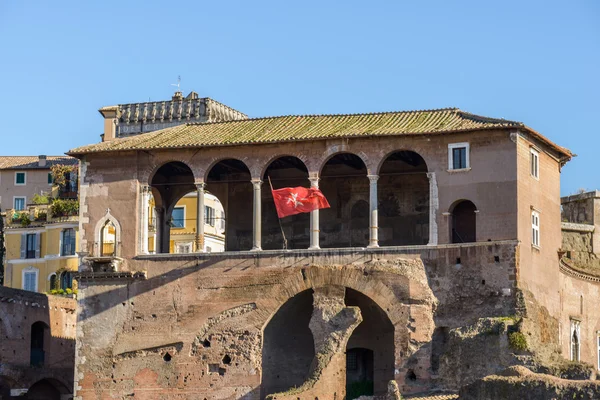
(464, 222)
(53, 282)
(169, 184)
(108, 240)
(343, 182)
(46, 389)
(371, 346)
(66, 280)
(288, 347)
(287, 171)
(6, 384)
(39, 336)
(575, 346)
(403, 197)
(229, 181)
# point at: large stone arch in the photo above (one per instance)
(159, 161)
(208, 166)
(336, 149)
(382, 158)
(266, 162)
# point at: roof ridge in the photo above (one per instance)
(482, 118)
(325, 115)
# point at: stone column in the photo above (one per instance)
(145, 210)
(200, 217)
(434, 204)
(159, 212)
(256, 224)
(373, 217)
(314, 219)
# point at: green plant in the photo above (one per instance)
(60, 173)
(517, 341)
(24, 219)
(41, 216)
(61, 208)
(40, 199)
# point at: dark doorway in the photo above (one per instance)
(372, 343)
(38, 333)
(464, 222)
(359, 373)
(403, 195)
(43, 390)
(343, 182)
(288, 346)
(287, 171)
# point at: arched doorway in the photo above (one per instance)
(288, 347)
(229, 181)
(169, 184)
(371, 349)
(46, 389)
(40, 333)
(403, 197)
(464, 222)
(286, 171)
(343, 182)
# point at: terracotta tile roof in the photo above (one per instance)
(309, 127)
(434, 396)
(32, 162)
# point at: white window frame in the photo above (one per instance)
(453, 146)
(184, 215)
(24, 202)
(24, 179)
(534, 163)
(535, 228)
(575, 327)
(30, 270)
(186, 244)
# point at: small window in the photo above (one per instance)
(67, 247)
(222, 223)
(535, 163)
(178, 217)
(458, 156)
(19, 203)
(31, 245)
(50, 179)
(208, 249)
(30, 278)
(535, 228)
(575, 340)
(183, 248)
(20, 178)
(209, 215)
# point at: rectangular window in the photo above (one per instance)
(30, 245)
(50, 179)
(68, 242)
(178, 217)
(209, 215)
(535, 163)
(535, 228)
(30, 280)
(20, 178)
(183, 248)
(19, 203)
(458, 156)
(222, 224)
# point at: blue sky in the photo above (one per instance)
(532, 61)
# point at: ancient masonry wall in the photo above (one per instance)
(196, 324)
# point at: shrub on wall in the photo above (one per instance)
(62, 208)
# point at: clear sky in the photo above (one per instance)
(533, 61)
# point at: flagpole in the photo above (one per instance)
(279, 219)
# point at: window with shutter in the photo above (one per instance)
(30, 246)
(68, 242)
(30, 277)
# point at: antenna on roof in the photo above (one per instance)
(178, 84)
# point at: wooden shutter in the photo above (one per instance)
(38, 244)
(23, 245)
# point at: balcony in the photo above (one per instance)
(43, 214)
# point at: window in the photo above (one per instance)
(458, 156)
(575, 340)
(208, 249)
(535, 163)
(178, 217)
(20, 178)
(67, 247)
(30, 245)
(222, 222)
(19, 203)
(66, 280)
(535, 228)
(50, 179)
(181, 248)
(30, 279)
(598, 347)
(209, 215)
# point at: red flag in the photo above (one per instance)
(291, 201)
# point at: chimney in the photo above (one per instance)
(177, 96)
(42, 161)
(111, 121)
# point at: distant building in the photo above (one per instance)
(41, 239)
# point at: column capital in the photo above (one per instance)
(430, 175)
(256, 182)
(200, 185)
(314, 181)
(145, 189)
(373, 178)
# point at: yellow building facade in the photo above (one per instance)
(183, 225)
(40, 255)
